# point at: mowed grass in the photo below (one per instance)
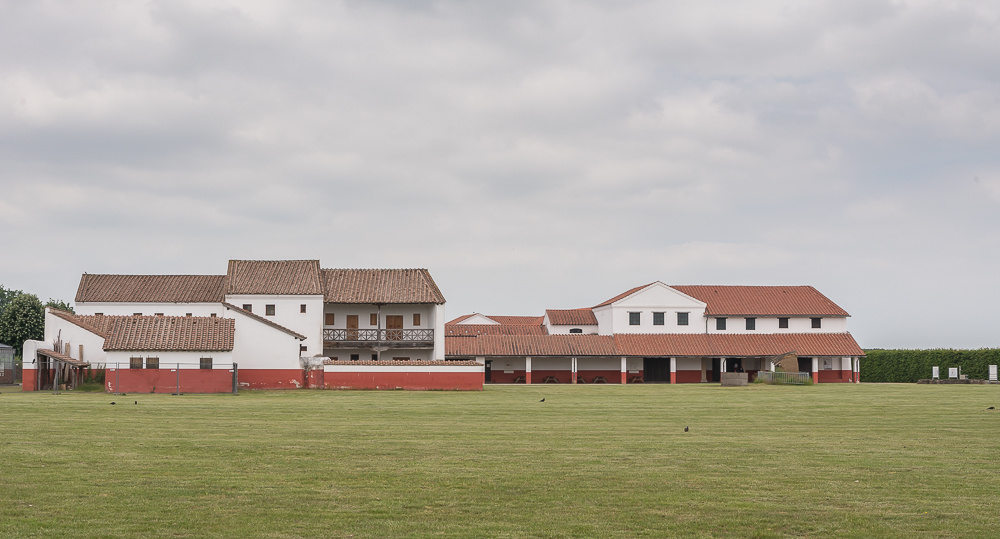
(602, 461)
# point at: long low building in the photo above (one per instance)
(661, 333)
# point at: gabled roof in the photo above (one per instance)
(519, 320)
(151, 288)
(471, 330)
(380, 286)
(60, 357)
(278, 277)
(98, 325)
(762, 300)
(571, 317)
(263, 320)
(170, 333)
(623, 295)
(531, 345)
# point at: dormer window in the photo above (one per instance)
(783, 323)
(720, 324)
(634, 319)
(817, 323)
(576, 330)
(751, 324)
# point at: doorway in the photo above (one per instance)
(488, 371)
(394, 327)
(656, 369)
(352, 327)
(805, 364)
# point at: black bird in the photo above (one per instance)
(992, 408)
(543, 399)
(685, 429)
(137, 402)
(112, 402)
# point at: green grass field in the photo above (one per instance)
(760, 461)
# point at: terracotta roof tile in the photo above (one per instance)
(415, 363)
(460, 319)
(623, 295)
(170, 333)
(471, 330)
(762, 300)
(531, 345)
(380, 286)
(571, 317)
(98, 325)
(64, 358)
(279, 277)
(263, 320)
(518, 320)
(151, 288)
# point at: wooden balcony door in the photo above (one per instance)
(394, 327)
(352, 327)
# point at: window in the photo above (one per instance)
(159, 314)
(302, 308)
(783, 323)
(269, 310)
(682, 319)
(248, 307)
(212, 315)
(657, 319)
(576, 330)
(751, 324)
(374, 357)
(720, 324)
(355, 357)
(817, 323)
(330, 319)
(634, 319)
(152, 363)
(206, 363)
(303, 348)
(416, 319)
(136, 314)
(373, 319)
(135, 362)
(188, 314)
(98, 314)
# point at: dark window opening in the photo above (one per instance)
(682, 319)
(576, 330)
(374, 357)
(247, 307)
(355, 357)
(135, 362)
(206, 363)
(152, 363)
(302, 308)
(783, 323)
(269, 310)
(817, 323)
(657, 319)
(634, 319)
(720, 324)
(751, 324)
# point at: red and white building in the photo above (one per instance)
(660, 333)
(270, 324)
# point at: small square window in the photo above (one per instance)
(302, 308)
(751, 324)
(152, 363)
(682, 319)
(188, 315)
(303, 348)
(783, 323)
(634, 319)
(355, 357)
(136, 314)
(817, 323)
(206, 363)
(269, 310)
(657, 319)
(158, 314)
(248, 307)
(330, 319)
(720, 324)
(374, 357)
(98, 314)
(416, 319)
(213, 315)
(135, 362)
(373, 319)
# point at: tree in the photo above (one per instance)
(6, 296)
(59, 304)
(22, 319)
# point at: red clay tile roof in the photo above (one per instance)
(279, 277)
(471, 330)
(66, 359)
(571, 317)
(647, 345)
(762, 300)
(170, 333)
(460, 319)
(623, 295)
(531, 345)
(151, 288)
(380, 286)
(263, 320)
(518, 320)
(98, 325)
(414, 363)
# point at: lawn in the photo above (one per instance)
(596, 460)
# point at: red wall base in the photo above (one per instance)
(404, 380)
(28, 380)
(834, 376)
(166, 381)
(276, 379)
(689, 377)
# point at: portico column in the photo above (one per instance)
(673, 370)
(722, 362)
(573, 368)
(857, 370)
(624, 372)
(704, 374)
(527, 370)
(815, 373)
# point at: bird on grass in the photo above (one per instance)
(137, 402)
(686, 429)
(112, 402)
(992, 408)
(543, 399)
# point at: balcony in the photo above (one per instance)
(369, 338)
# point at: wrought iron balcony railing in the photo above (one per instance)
(379, 335)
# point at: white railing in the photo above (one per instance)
(790, 378)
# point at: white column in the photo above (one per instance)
(624, 371)
(673, 370)
(527, 370)
(722, 364)
(573, 368)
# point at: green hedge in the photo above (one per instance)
(911, 365)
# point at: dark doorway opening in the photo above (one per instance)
(487, 370)
(714, 375)
(805, 364)
(656, 369)
(734, 364)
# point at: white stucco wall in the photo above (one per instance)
(655, 298)
(737, 324)
(74, 335)
(365, 354)
(149, 309)
(564, 329)
(432, 317)
(287, 313)
(171, 359)
(257, 345)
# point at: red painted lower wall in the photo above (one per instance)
(273, 378)
(500, 377)
(834, 376)
(404, 380)
(167, 380)
(613, 376)
(689, 377)
(28, 380)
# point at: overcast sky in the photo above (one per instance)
(531, 154)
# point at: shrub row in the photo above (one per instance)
(908, 366)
